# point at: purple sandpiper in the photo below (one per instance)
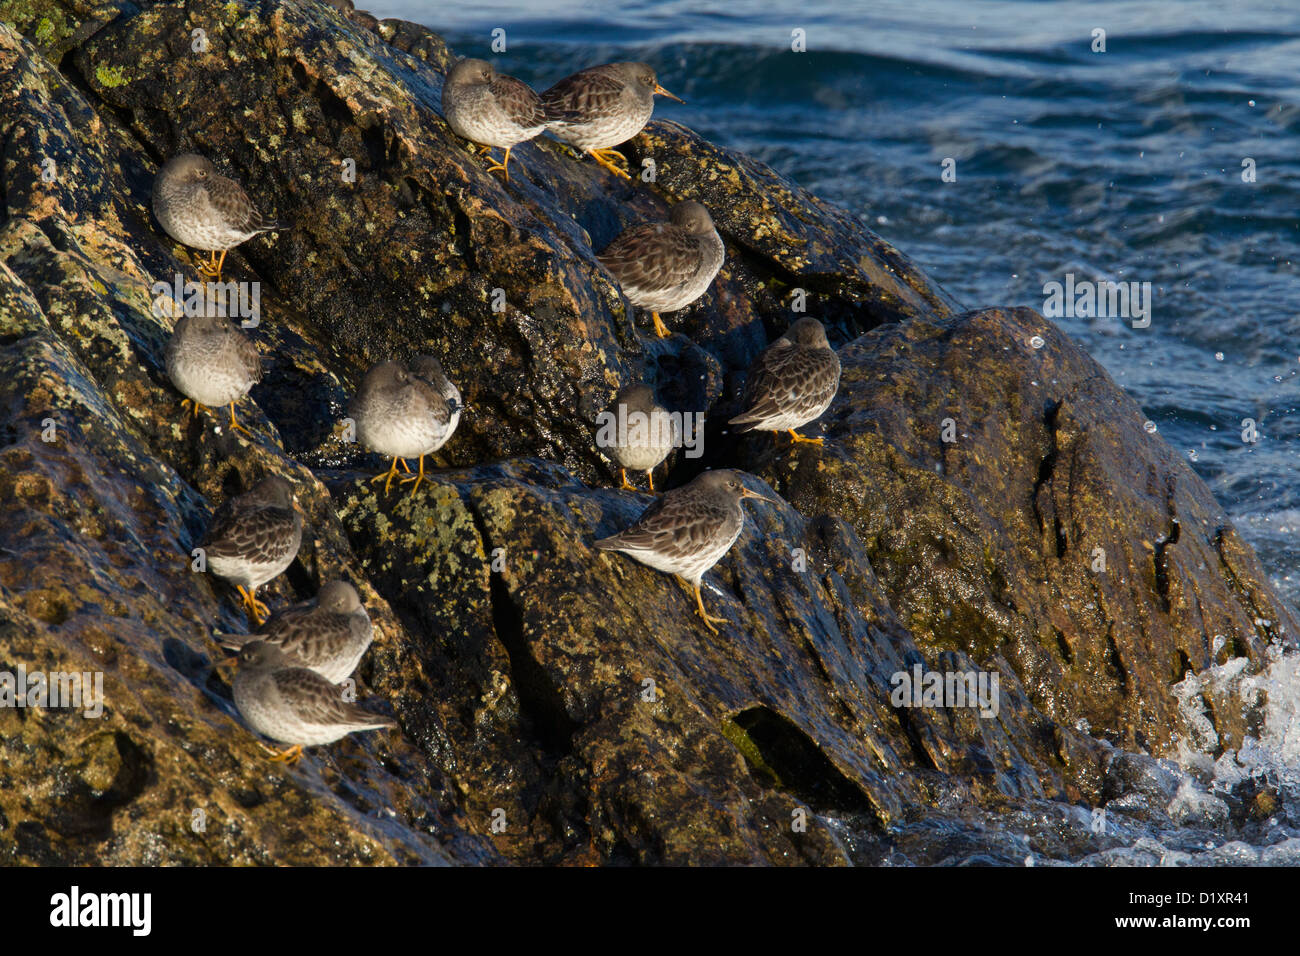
(645, 433)
(202, 209)
(792, 383)
(294, 705)
(601, 107)
(689, 529)
(253, 538)
(406, 412)
(665, 266)
(212, 363)
(491, 109)
(328, 634)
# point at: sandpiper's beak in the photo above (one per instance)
(660, 91)
(746, 493)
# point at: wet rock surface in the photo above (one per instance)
(558, 704)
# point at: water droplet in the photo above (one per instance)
(1191, 453)
(1250, 102)
(1150, 426)
(1218, 356)
(1036, 342)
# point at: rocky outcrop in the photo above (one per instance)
(557, 704)
(1014, 503)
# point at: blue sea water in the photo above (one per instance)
(1122, 165)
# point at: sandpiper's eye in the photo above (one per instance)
(202, 173)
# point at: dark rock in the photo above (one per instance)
(987, 543)
(1130, 773)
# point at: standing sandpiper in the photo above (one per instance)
(644, 433)
(599, 108)
(792, 383)
(202, 209)
(253, 538)
(491, 109)
(328, 635)
(665, 266)
(294, 705)
(406, 412)
(212, 363)
(688, 530)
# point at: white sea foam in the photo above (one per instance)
(1272, 697)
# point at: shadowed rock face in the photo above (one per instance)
(569, 695)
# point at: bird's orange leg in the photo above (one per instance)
(256, 609)
(289, 756)
(212, 268)
(605, 158)
(415, 478)
(235, 424)
(503, 166)
(388, 476)
(709, 620)
(799, 439)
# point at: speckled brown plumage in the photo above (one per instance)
(253, 538)
(792, 383)
(328, 634)
(406, 412)
(212, 363)
(640, 443)
(665, 266)
(202, 209)
(294, 705)
(600, 107)
(689, 529)
(490, 108)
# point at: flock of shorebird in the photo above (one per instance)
(287, 686)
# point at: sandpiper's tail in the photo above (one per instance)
(747, 421)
